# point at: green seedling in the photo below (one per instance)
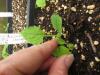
(34, 35)
(4, 52)
(41, 3)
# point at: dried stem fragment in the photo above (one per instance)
(91, 42)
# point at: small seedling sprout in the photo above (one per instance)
(34, 35)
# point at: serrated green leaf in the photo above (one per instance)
(33, 35)
(61, 50)
(41, 3)
(4, 52)
(56, 21)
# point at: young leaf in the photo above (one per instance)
(70, 46)
(41, 3)
(33, 35)
(4, 52)
(60, 41)
(58, 35)
(61, 50)
(56, 21)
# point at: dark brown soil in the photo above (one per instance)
(81, 26)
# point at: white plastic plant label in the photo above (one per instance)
(11, 38)
(6, 14)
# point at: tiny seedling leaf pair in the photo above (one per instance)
(34, 35)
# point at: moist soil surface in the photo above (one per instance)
(81, 26)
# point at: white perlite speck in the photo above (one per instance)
(73, 9)
(91, 64)
(82, 57)
(90, 7)
(96, 42)
(91, 11)
(81, 44)
(89, 19)
(97, 59)
(84, 6)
